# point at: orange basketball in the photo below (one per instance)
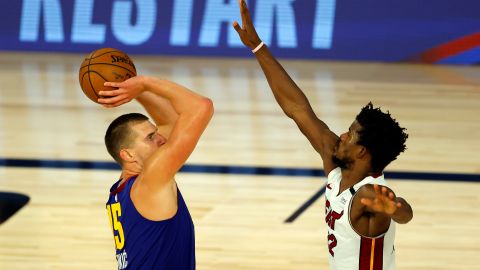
(104, 65)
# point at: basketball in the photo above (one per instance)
(104, 65)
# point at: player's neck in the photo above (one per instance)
(130, 169)
(126, 174)
(354, 174)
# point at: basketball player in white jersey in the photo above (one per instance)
(361, 211)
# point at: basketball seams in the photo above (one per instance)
(94, 64)
(91, 87)
(100, 67)
(114, 50)
(98, 73)
(89, 80)
(93, 57)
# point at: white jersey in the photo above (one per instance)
(347, 249)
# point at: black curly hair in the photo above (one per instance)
(381, 135)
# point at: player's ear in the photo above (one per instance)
(362, 152)
(126, 155)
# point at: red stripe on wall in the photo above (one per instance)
(449, 49)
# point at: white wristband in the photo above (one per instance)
(258, 47)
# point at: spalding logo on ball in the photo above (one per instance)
(104, 65)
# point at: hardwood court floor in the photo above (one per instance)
(239, 219)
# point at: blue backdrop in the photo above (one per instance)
(435, 31)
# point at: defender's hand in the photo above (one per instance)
(247, 31)
(383, 202)
(125, 92)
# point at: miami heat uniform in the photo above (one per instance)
(347, 249)
(144, 244)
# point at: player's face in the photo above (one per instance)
(343, 154)
(147, 141)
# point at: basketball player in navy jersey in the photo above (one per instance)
(361, 211)
(151, 224)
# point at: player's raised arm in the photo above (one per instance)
(288, 95)
(160, 110)
(194, 112)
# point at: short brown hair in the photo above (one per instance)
(119, 133)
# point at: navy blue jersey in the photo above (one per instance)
(145, 244)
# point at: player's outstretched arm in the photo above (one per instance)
(288, 95)
(158, 107)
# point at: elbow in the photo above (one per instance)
(297, 113)
(409, 217)
(406, 217)
(404, 220)
(289, 114)
(289, 111)
(206, 107)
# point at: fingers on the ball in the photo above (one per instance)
(108, 105)
(119, 98)
(120, 102)
(109, 101)
(112, 84)
(110, 93)
(113, 104)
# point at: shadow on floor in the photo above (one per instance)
(10, 203)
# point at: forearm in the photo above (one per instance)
(159, 108)
(286, 92)
(404, 213)
(181, 99)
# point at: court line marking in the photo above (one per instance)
(240, 170)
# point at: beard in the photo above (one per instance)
(343, 163)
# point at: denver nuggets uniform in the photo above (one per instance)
(145, 244)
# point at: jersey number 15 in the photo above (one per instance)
(114, 212)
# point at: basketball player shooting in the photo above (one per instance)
(151, 223)
(361, 211)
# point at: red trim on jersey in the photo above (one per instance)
(371, 253)
(378, 253)
(121, 187)
(376, 175)
(365, 248)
